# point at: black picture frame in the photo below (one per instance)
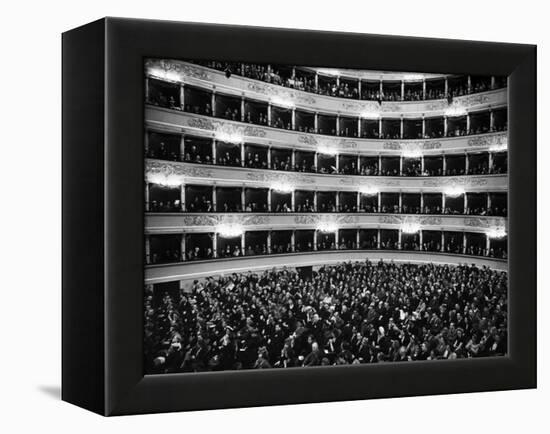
(103, 264)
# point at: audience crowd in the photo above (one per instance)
(260, 117)
(350, 313)
(409, 205)
(202, 250)
(369, 166)
(303, 79)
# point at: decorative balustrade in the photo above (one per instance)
(197, 223)
(164, 120)
(176, 173)
(189, 271)
(188, 74)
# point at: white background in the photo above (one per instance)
(31, 229)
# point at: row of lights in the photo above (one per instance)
(452, 111)
(336, 72)
(232, 230)
(408, 152)
(326, 149)
(282, 186)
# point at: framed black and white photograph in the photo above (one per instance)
(278, 216)
(306, 216)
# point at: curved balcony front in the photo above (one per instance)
(190, 173)
(177, 122)
(188, 74)
(186, 272)
(171, 223)
(373, 75)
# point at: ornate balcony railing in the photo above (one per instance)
(189, 271)
(159, 171)
(169, 223)
(171, 121)
(205, 78)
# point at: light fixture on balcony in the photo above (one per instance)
(170, 180)
(369, 190)
(456, 110)
(164, 74)
(370, 115)
(413, 77)
(229, 137)
(499, 147)
(411, 152)
(328, 71)
(454, 191)
(229, 133)
(410, 227)
(327, 226)
(496, 233)
(282, 187)
(282, 102)
(327, 150)
(229, 230)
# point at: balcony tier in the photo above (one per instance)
(209, 79)
(201, 174)
(173, 121)
(373, 75)
(171, 223)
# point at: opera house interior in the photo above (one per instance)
(302, 216)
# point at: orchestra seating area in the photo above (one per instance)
(346, 314)
(246, 161)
